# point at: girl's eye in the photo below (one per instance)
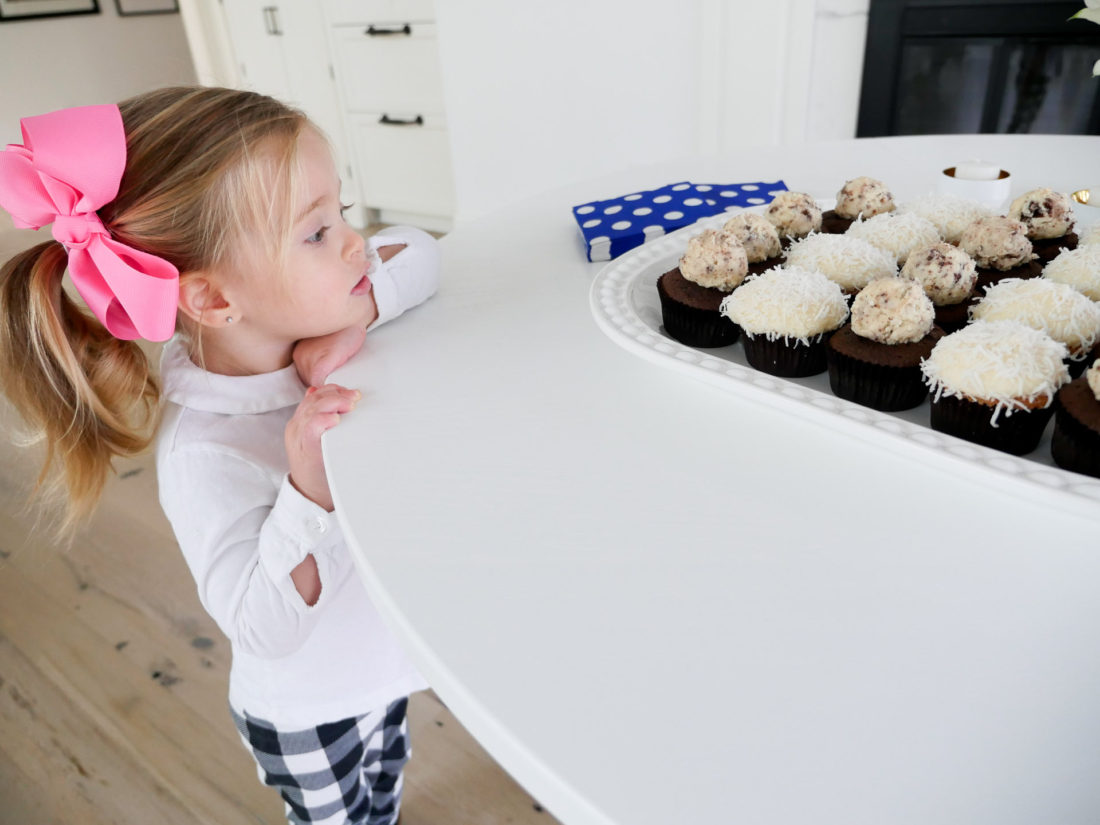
(318, 236)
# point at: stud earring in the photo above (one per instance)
(229, 319)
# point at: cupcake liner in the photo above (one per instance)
(693, 327)
(879, 386)
(786, 360)
(1018, 433)
(1073, 446)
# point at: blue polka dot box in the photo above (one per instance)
(611, 227)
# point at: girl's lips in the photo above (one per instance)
(362, 287)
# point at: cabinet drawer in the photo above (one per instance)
(404, 168)
(390, 71)
(378, 11)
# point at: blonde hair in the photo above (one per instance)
(204, 168)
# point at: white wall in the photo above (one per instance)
(52, 63)
(541, 94)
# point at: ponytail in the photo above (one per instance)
(86, 395)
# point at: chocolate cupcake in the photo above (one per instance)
(1059, 310)
(759, 238)
(1048, 216)
(950, 214)
(899, 234)
(794, 215)
(993, 383)
(875, 359)
(1075, 444)
(850, 262)
(860, 197)
(1078, 268)
(1001, 249)
(948, 276)
(787, 315)
(713, 264)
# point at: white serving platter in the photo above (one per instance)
(624, 303)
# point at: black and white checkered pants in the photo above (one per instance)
(343, 773)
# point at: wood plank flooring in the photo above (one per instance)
(113, 684)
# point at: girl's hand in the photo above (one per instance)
(319, 411)
(317, 358)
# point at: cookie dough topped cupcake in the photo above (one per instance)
(1048, 216)
(948, 276)
(949, 213)
(1000, 247)
(711, 266)
(1079, 268)
(759, 238)
(851, 262)
(898, 234)
(794, 215)
(861, 197)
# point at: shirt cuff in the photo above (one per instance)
(302, 527)
(408, 278)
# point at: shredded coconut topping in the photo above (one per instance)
(1093, 378)
(1003, 363)
(787, 302)
(1079, 268)
(950, 214)
(863, 197)
(1091, 236)
(851, 262)
(898, 234)
(997, 242)
(1059, 310)
(715, 259)
(794, 214)
(892, 311)
(757, 234)
(1045, 213)
(946, 273)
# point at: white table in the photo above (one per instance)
(654, 601)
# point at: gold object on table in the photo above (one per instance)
(1081, 196)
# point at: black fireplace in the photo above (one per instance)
(969, 66)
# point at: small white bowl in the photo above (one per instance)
(992, 192)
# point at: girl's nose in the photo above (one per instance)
(355, 244)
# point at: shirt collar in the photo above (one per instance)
(189, 385)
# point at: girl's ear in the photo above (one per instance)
(202, 301)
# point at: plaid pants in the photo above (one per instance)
(343, 773)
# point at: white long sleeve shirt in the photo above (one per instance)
(242, 527)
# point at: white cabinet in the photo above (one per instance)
(386, 60)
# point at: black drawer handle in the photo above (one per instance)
(393, 121)
(381, 31)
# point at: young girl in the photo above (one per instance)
(212, 217)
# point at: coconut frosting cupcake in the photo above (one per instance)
(875, 359)
(711, 266)
(1000, 247)
(794, 215)
(948, 276)
(850, 262)
(993, 382)
(1075, 444)
(1078, 268)
(950, 214)
(759, 238)
(1048, 216)
(786, 314)
(1059, 310)
(898, 234)
(861, 197)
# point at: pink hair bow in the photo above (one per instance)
(70, 165)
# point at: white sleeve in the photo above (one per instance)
(241, 537)
(408, 278)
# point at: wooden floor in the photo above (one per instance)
(113, 685)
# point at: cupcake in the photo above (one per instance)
(787, 314)
(947, 275)
(1001, 249)
(758, 236)
(1059, 310)
(794, 215)
(898, 234)
(993, 382)
(1048, 216)
(712, 265)
(1078, 268)
(1091, 235)
(850, 262)
(875, 359)
(950, 214)
(860, 197)
(1075, 444)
